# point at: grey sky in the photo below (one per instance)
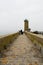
(13, 13)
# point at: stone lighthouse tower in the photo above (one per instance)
(26, 25)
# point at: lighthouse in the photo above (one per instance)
(26, 25)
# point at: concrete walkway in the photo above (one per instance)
(22, 52)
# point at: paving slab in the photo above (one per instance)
(22, 52)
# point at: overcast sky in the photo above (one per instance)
(14, 12)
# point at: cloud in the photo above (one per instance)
(13, 13)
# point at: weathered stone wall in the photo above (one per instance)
(5, 41)
(37, 40)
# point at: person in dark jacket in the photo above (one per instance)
(21, 32)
